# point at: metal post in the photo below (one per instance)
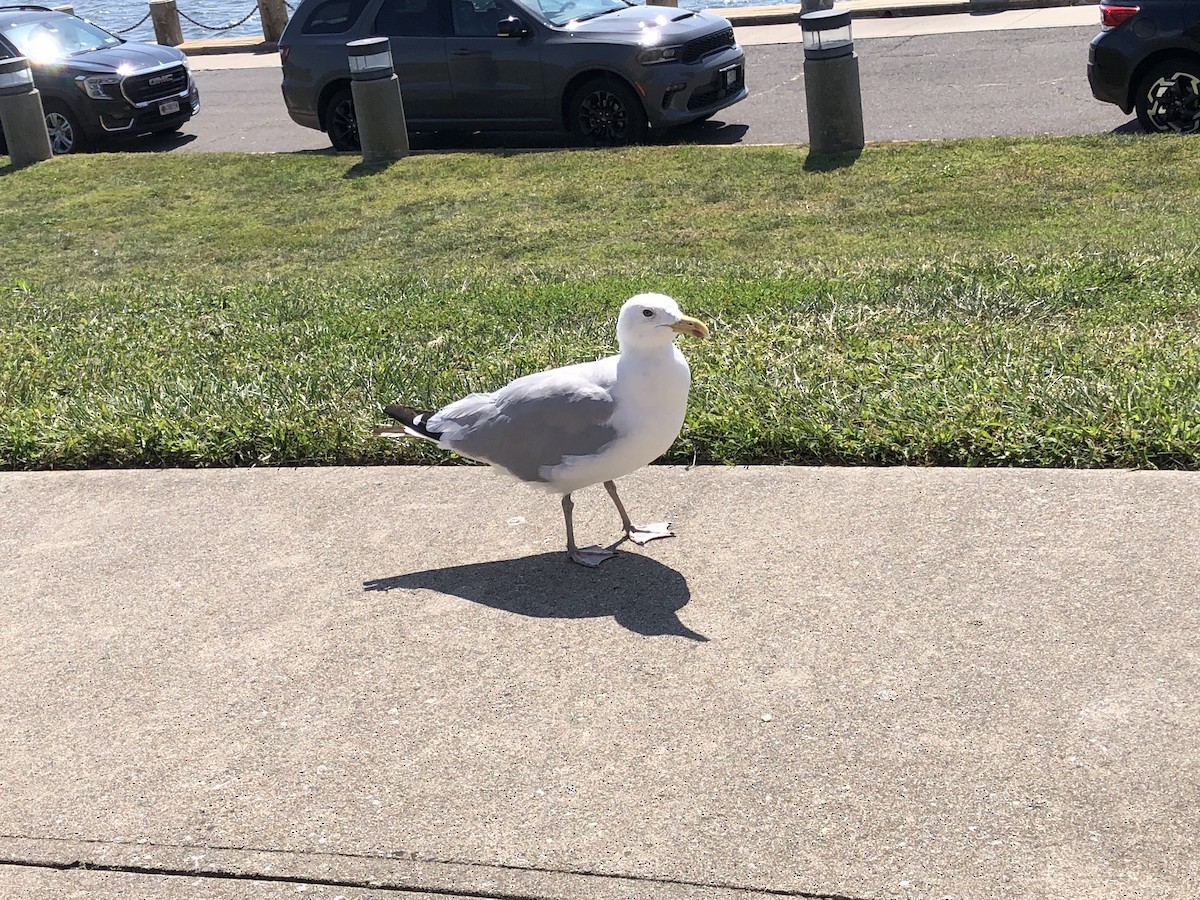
(165, 16)
(21, 114)
(273, 14)
(378, 106)
(832, 91)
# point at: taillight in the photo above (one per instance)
(284, 49)
(1112, 14)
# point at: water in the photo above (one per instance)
(123, 16)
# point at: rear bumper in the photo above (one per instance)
(303, 116)
(1108, 74)
(299, 99)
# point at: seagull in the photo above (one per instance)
(578, 425)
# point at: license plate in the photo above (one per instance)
(731, 76)
(169, 108)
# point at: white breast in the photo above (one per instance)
(651, 391)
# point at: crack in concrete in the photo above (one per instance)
(221, 875)
(678, 882)
(230, 874)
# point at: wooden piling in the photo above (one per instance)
(165, 16)
(274, 19)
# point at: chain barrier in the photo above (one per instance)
(131, 27)
(245, 19)
(253, 12)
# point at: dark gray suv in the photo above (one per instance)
(606, 70)
(1147, 59)
(95, 85)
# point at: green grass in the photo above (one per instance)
(987, 302)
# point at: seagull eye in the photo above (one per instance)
(648, 313)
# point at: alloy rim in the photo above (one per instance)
(1175, 103)
(602, 117)
(62, 136)
(345, 125)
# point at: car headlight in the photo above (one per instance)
(652, 56)
(101, 87)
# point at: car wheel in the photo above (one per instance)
(341, 124)
(605, 112)
(1168, 97)
(63, 128)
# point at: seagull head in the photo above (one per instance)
(650, 320)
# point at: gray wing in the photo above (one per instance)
(534, 422)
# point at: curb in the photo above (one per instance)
(221, 46)
(748, 16)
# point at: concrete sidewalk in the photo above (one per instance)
(363, 683)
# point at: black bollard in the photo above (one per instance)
(378, 106)
(832, 91)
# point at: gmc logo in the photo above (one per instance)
(160, 79)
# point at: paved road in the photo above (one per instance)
(1007, 81)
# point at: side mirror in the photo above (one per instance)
(511, 27)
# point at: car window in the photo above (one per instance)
(560, 12)
(476, 18)
(58, 37)
(413, 18)
(334, 17)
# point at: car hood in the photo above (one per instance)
(128, 57)
(664, 23)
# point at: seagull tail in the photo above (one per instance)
(413, 420)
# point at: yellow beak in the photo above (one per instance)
(688, 325)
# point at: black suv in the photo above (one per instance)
(607, 70)
(95, 85)
(1147, 59)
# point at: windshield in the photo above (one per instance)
(58, 37)
(560, 12)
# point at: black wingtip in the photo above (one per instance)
(412, 418)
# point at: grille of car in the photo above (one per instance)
(710, 43)
(149, 86)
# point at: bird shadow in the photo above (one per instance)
(643, 596)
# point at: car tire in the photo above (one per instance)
(62, 126)
(605, 112)
(341, 124)
(1168, 97)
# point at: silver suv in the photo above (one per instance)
(606, 70)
